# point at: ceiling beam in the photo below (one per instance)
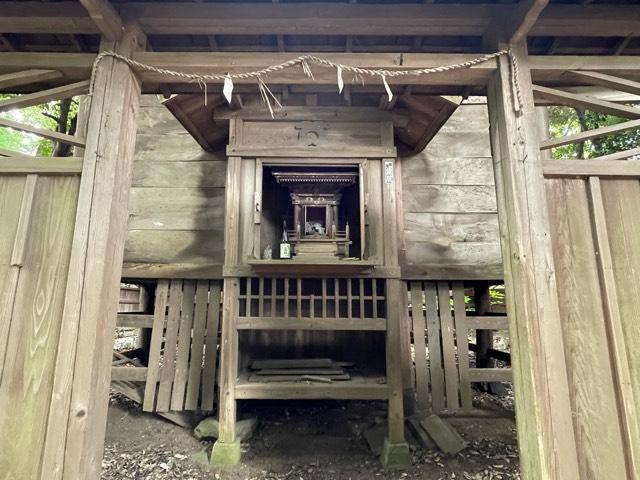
(544, 69)
(524, 18)
(324, 18)
(105, 17)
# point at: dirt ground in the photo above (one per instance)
(305, 440)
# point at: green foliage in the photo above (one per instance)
(567, 120)
(41, 116)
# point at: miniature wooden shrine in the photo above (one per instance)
(315, 197)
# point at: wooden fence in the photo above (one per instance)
(184, 344)
(596, 245)
(440, 325)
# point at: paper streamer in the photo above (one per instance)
(386, 87)
(340, 80)
(227, 89)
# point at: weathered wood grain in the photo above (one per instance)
(599, 442)
(174, 247)
(436, 169)
(176, 208)
(179, 174)
(30, 353)
(450, 199)
(442, 229)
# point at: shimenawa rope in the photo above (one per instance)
(304, 61)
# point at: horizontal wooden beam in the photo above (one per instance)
(44, 96)
(134, 320)
(490, 375)
(105, 17)
(258, 323)
(41, 132)
(595, 167)
(41, 165)
(608, 81)
(316, 18)
(589, 134)
(633, 152)
(26, 77)
(400, 117)
(560, 97)
(10, 153)
(494, 322)
(546, 68)
(129, 374)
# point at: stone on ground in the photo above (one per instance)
(443, 434)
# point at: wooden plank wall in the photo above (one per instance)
(183, 356)
(450, 213)
(37, 218)
(596, 243)
(176, 202)
(440, 325)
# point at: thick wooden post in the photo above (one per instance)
(395, 453)
(545, 427)
(78, 413)
(226, 450)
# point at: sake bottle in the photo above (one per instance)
(285, 246)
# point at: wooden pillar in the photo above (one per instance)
(395, 453)
(484, 338)
(544, 416)
(78, 413)
(226, 450)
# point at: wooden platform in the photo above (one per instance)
(360, 387)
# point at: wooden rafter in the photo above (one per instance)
(41, 132)
(524, 18)
(561, 97)
(589, 134)
(26, 77)
(314, 18)
(45, 96)
(105, 17)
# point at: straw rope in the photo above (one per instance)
(304, 61)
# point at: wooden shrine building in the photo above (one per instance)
(325, 182)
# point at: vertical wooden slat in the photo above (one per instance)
(395, 310)
(169, 354)
(324, 298)
(157, 334)
(197, 345)
(257, 210)
(361, 288)
(261, 297)
(183, 345)
(349, 300)
(420, 348)
(247, 301)
(448, 348)
(8, 294)
(273, 296)
(435, 351)
(211, 347)
(298, 298)
(462, 341)
(374, 297)
(627, 404)
(312, 305)
(336, 297)
(286, 298)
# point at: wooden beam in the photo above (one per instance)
(26, 77)
(134, 320)
(41, 132)
(523, 19)
(41, 165)
(588, 168)
(589, 134)
(129, 374)
(10, 153)
(561, 97)
(608, 81)
(620, 155)
(105, 17)
(44, 96)
(317, 18)
(545, 427)
(77, 420)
